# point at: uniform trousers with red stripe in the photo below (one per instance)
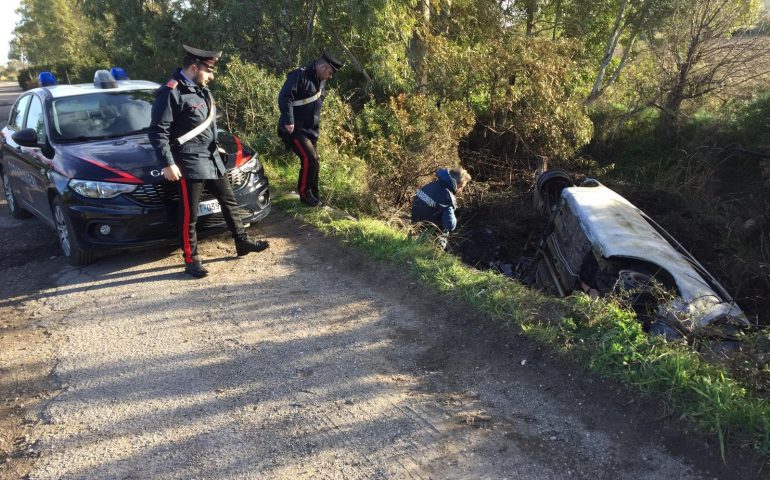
(304, 148)
(190, 194)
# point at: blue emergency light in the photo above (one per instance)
(46, 79)
(118, 73)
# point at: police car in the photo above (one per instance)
(78, 157)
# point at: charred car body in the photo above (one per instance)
(598, 242)
(78, 157)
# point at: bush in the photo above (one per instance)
(247, 95)
(408, 138)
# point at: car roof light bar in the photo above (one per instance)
(46, 79)
(103, 79)
(119, 73)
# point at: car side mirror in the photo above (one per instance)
(26, 138)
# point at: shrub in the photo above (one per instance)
(407, 138)
(248, 97)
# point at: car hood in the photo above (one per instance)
(123, 160)
(617, 228)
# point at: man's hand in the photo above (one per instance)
(289, 128)
(171, 173)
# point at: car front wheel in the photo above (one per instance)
(10, 199)
(67, 239)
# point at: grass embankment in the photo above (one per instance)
(595, 333)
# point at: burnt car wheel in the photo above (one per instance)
(67, 239)
(15, 209)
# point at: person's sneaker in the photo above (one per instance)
(244, 247)
(196, 269)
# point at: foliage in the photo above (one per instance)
(248, 98)
(750, 124)
(530, 107)
(696, 54)
(406, 139)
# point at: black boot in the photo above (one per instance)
(246, 246)
(310, 200)
(196, 269)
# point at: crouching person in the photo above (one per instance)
(435, 203)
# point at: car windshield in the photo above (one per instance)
(101, 115)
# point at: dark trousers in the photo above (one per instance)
(304, 148)
(189, 198)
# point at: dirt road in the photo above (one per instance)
(304, 361)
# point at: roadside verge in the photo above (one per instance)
(599, 335)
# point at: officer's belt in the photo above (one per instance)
(305, 101)
(200, 128)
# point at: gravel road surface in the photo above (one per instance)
(307, 360)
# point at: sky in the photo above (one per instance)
(8, 19)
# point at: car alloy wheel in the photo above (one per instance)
(61, 230)
(16, 211)
(67, 239)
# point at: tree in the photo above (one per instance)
(52, 32)
(701, 51)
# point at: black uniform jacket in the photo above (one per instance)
(180, 106)
(301, 83)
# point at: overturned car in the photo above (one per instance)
(598, 242)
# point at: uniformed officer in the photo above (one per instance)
(435, 203)
(183, 133)
(300, 103)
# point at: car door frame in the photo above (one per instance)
(37, 165)
(12, 155)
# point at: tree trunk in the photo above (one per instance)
(557, 19)
(609, 52)
(311, 22)
(418, 49)
(359, 66)
(623, 60)
(531, 10)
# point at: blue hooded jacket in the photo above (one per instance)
(435, 202)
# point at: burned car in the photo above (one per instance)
(598, 242)
(79, 158)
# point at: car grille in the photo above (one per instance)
(156, 194)
(168, 192)
(237, 178)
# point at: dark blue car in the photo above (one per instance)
(78, 158)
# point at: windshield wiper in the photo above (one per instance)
(84, 138)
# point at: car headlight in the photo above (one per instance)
(93, 189)
(251, 165)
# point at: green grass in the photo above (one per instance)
(598, 334)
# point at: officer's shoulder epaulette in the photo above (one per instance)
(172, 84)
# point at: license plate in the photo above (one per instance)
(208, 207)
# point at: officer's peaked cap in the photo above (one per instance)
(331, 60)
(203, 56)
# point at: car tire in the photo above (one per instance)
(10, 199)
(68, 241)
